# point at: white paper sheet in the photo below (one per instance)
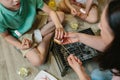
(43, 75)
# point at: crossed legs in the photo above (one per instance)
(37, 55)
(92, 15)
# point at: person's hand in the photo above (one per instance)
(76, 65)
(59, 32)
(74, 62)
(70, 37)
(26, 43)
(82, 13)
(73, 11)
(83, 16)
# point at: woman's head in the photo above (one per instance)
(111, 57)
(113, 16)
(11, 4)
(110, 22)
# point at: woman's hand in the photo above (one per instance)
(26, 43)
(76, 65)
(70, 37)
(74, 62)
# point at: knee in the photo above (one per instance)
(93, 16)
(37, 62)
(93, 20)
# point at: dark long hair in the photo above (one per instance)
(110, 59)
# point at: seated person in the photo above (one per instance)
(85, 9)
(17, 28)
(108, 42)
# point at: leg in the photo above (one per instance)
(62, 6)
(49, 27)
(37, 56)
(93, 15)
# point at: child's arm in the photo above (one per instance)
(10, 39)
(69, 5)
(53, 16)
(67, 2)
(55, 19)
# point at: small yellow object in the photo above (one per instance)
(74, 25)
(52, 4)
(23, 72)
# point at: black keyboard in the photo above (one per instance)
(83, 52)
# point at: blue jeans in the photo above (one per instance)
(101, 75)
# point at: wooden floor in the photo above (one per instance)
(11, 60)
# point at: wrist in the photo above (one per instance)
(80, 70)
(59, 26)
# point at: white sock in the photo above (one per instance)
(37, 36)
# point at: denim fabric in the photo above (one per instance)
(101, 75)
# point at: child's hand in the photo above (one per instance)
(73, 11)
(83, 16)
(59, 32)
(70, 37)
(26, 43)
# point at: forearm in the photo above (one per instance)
(46, 9)
(67, 2)
(88, 5)
(93, 41)
(13, 41)
(53, 15)
(82, 74)
(55, 19)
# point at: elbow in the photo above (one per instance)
(37, 63)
